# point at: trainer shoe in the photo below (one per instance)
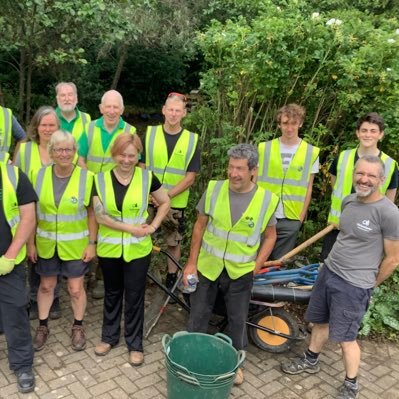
(300, 365)
(348, 391)
(78, 338)
(136, 358)
(102, 349)
(55, 310)
(25, 381)
(239, 378)
(40, 339)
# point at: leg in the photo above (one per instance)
(113, 282)
(287, 233)
(319, 337)
(351, 357)
(45, 295)
(135, 275)
(78, 296)
(237, 294)
(202, 301)
(175, 251)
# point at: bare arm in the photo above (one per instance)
(391, 194)
(196, 240)
(106, 220)
(90, 251)
(183, 185)
(333, 179)
(390, 261)
(270, 236)
(163, 201)
(25, 229)
(308, 197)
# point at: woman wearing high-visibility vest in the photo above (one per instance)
(65, 240)
(369, 132)
(31, 156)
(120, 201)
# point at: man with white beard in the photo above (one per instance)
(365, 254)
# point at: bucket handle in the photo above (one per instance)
(224, 337)
(224, 376)
(178, 366)
(165, 341)
(187, 378)
(241, 358)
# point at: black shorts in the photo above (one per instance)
(58, 267)
(339, 303)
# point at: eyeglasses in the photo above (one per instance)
(61, 150)
(179, 95)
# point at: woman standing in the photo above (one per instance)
(65, 236)
(124, 247)
(29, 157)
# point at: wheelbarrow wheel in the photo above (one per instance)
(278, 320)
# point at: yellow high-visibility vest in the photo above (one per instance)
(291, 187)
(344, 180)
(233, 247)
(114, 243)
(65, 227)
(5, 133)
(173, 171)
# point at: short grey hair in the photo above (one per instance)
(107, 93)
(245, 151)
(70, 84)
(60, 136)
(373, 159)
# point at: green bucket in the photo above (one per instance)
(200, 366)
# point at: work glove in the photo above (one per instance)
(171, 221)
(6, 265)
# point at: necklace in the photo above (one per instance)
(123, 179)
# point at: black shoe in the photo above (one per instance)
(25, 381)
(33, 311)
(55, 310)
(169, 283)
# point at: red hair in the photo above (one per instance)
(121, 142)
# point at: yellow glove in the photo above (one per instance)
(6, 265)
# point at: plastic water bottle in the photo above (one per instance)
(192, 280)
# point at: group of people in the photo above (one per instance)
(80, 189)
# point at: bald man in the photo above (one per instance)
(96, 142)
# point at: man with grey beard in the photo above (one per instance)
(365, 254)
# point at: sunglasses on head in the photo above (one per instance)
(179, 95)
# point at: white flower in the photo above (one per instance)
(333, 21)
(278, 8)
(389, 69)
(391, 40)
(315, 15)
(397, 31)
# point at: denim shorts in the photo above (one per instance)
(340, 304)
(58, 267)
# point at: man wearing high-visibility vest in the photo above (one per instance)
(287, 166)
(172, 153)
(369, 132)
(233, 236)
(9, 129)
(96, 141)
(72, 119)
(17, 222)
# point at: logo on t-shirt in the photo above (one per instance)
(364, 225)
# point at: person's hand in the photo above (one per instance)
(6, 265)
(138, 230)
(89, 253)
(189, 268)
(149, 229)
(32, 252)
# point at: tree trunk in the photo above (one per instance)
(28, 89)
(22, 71)
(121, 63)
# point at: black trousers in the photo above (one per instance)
(287, 233)
(236, 293)
(124, 280)
(15, 319)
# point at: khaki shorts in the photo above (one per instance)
(172, 227)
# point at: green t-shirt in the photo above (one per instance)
(67, 125)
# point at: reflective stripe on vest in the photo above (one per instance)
(9, 178)
(113, 243)
(291, 185)
(233, 247)
(5, 133)
(344, 180)
(170, 172)
(64, 227)
(97, 159)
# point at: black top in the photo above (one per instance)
(120, 189)
(394, 183)
(25, 195)
(171, 140)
